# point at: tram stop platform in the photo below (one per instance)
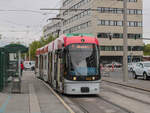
(35, 97)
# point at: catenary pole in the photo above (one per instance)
(125, 43)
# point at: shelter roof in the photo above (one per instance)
(13, 48)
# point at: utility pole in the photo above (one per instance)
(29, 53)
(125, 43)
(29, 44)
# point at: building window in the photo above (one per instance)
(118, 23)
(119, 35)
(76, 17)
(129, 0)
(119, 11)
(120, 48)
(78, 27)
(76, 6)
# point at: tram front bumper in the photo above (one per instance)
(83, 88)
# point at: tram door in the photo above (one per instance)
(55, 71)
(46, 67)
(50, 68)
(41, 65)
(60, 71)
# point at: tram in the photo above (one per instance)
(71, 64)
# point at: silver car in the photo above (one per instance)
(131, 66)
(142, 69)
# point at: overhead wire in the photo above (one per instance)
(27, 11)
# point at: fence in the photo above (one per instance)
(106, 71)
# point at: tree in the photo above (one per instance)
(38, 44)
(147, 49)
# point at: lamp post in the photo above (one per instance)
(125, 43)
(27, 33)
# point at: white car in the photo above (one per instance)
(142, 69)
(131, 66)
(29, 65)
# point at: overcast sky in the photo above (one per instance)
(27, 26)
(24, 26)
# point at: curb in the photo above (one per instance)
(59, 98)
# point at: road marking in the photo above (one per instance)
(3, 108)
(60, 99)
(34, 105)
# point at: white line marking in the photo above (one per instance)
(34, 105)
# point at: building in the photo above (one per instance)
(53, 28)
(106, 21)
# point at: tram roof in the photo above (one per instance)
(69, 38)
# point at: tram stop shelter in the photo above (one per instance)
(13, 53)
(3, 67)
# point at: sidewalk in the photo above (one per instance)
(35, 98)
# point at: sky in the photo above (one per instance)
(26, 26)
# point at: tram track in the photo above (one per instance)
(84, 109)
(113, 86)
(100, 103)
(81, 107)
(133, 98)
(124, 109)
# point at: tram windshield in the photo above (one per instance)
(83, 59)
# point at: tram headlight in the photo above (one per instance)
(74, 78)
(93, 78)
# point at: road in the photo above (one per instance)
(113, 99)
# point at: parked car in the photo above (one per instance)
(29, 65)
(142, 69)
(131, 66)
(115, 64)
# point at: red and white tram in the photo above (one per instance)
(70, 64)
